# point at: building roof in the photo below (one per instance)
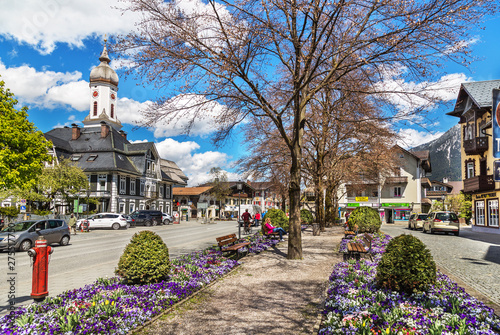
(480, 92)
(172, 171)
(94, 153)
(190, 190)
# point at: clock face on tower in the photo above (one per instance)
(95, 94)
(113, 97)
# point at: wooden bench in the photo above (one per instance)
(227, 244)
(272, 235)
(349, 234)
(355, 249)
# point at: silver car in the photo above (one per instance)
(22, 235)
(442, 221)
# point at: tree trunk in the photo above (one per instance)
(295, 236)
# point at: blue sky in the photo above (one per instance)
(48, 48)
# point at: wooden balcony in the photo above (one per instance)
(396, 180)
(479, 184)
(476, 146)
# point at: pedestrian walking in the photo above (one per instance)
(72, 223)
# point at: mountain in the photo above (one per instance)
(445, 155)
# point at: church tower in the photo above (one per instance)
(103, 94)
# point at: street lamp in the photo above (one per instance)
(239, 186)
(442, 199)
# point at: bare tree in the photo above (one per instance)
(270, 58)
(220, 186)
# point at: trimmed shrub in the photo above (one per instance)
(278, 218)
(366, 219)
(406, 266)
(145, 259)
(306, 216)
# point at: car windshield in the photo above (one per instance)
(422, 216)
(18, 226)
(446, 216)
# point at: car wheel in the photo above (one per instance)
(166, 221)
(115, 226)
(155, 223)
(25, 245)
(128, 225)
(64, 240)
(147, 223)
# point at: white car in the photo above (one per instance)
(167, 218)
(105, 220)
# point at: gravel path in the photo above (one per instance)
(267, 294)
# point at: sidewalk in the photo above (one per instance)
(267, 294)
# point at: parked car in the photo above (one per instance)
(442, 221)
(22, 235)
(167, 218)
(105, 220)
(147, 217)
(416, 221)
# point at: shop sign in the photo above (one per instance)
(394, 204)
(352, 204)
(496, 170)
(486, 195)
(362, 199)
(496, 124)
(375, 205)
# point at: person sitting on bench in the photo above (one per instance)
(272, 229)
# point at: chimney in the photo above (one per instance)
(445, 180)
(104, 129)
(75, 132)
(124, 134)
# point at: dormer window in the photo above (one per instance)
(91, 158)
(75, 157)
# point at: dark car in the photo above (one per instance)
(22, 235)
(146, 218)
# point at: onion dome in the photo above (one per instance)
(103, 72)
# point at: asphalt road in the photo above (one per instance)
(472, 257)
(93, 255)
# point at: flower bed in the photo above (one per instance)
(356, 306)
(110, 307)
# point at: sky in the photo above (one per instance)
(48, 48)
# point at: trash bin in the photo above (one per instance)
(315, 229)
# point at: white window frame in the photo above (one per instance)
(493, 213)
(100, 179)
(167, 191)
(470, 170)
(121, 207)
(398, 194)
(123, 185)
(480, 213)
(131, 207)
(132, 186)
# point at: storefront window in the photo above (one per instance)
(400, 214)
(480, 213)
(493, 213)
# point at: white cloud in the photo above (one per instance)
(182, 110)
(46, 89)
(42, 24)
(195, 165)
(408, 96)
(410, 138)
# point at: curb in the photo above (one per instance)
(179, 303)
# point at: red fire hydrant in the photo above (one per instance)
(40, 254)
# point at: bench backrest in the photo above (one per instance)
(228, 239)
(367, 241)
